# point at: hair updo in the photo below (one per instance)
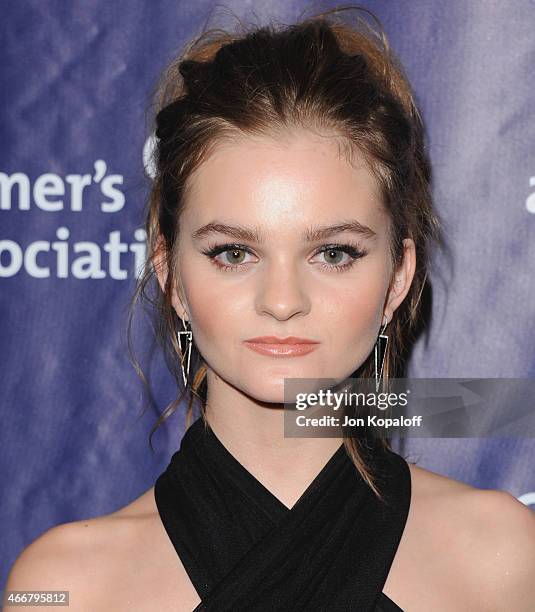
(322, 74)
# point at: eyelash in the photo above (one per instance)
(351, 249)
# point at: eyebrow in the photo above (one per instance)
(312, 234)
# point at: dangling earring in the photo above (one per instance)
(380, 347)
(187, 337)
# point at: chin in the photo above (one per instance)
(265, 390)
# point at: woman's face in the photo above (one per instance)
(252, 261)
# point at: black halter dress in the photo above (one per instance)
(244, 550)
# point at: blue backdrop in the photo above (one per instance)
(75, 87)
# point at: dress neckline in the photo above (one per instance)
(255, 486)
(244, 549)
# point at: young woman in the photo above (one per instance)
(289, 224)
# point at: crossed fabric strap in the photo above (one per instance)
(243, 549)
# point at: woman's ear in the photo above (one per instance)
(159, 263)
(401, 282)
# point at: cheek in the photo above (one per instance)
(357, 310)
(360, 308)
(216, 313)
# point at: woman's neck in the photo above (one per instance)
(253, 432)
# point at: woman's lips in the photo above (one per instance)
(281, 349)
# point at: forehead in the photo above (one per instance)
(295, 178)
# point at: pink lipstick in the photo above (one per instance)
(281, 347)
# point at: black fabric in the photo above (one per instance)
(243, 549)
(385, 604)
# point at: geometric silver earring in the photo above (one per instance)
(380, 352)
(185, 341)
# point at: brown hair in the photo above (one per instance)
(323, 74)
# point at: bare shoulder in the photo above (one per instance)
(81, 556)
(488, 535)
(61, 559)
(502, 532)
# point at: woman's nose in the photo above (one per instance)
(282, 292)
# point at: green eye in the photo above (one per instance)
(236, 256)
(232, 256)
(337, 257)
(333, 254)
